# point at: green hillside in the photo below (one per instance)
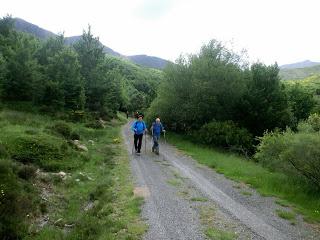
(310, 84)
(299, 73)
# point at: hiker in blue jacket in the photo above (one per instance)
(139, 128)
(156, 130)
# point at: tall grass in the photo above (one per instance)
(303, 198)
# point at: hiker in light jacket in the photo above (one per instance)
(156, 130)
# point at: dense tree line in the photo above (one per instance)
(74, 79)
(217, 85)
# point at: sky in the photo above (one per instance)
(283, 31)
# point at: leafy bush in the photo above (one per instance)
(314, 121)
(225, 134)
(3, 151)
(62, 129)
(295, 154)
(43, 151)
(17, 200)
(95, 125)
(75, 136)
(27, 172)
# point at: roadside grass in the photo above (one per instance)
(208, 219)
(290, 216)
(94, 201)
(303, 199)
(198, 199)
(246, 193)
(217, 234)
(174, 182)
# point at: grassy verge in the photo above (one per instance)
(304, 201)
(93, 199)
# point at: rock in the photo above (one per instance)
(80, 146)
(62, 174)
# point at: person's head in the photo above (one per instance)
(157, 120)
(140, 117)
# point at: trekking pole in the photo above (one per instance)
(145, 143)
(164, 136)
(132, 148)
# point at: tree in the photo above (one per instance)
(23, 69)
(264, 105)
(65, 88)
(200, 88)
(3, 73)
(91, 57)
(300, 101)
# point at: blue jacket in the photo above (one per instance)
(138, 127)
(157, 128)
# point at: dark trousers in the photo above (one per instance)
(138, 141)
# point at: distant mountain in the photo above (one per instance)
(24, 26)
(299, 73)
(306, 63)
(143, 60)
(149, 61)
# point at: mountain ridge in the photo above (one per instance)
(302, 64)
(41, 33)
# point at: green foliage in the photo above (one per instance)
(73, 79)
(314, 121)
(295, 154)
(310, 85)
(299, 73)
(3, 73)
(16, 202)
(225, 134)
(66, 88)
(62, 128)
(27, 172)
(301, 102)
(39, 150)
(264, 105)
(200, 88)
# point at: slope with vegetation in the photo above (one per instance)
(299, 73)
(76, 79)
(143, 60)
(53, 188)
(64, 174)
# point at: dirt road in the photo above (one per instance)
(183, 200)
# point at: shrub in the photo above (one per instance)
(314, 121)
(75, 136)
(225, 134)
(95, 125)
(295, 154)
(3, 151)
(27, 172)
(303, 154)
(16, 201)
(39, 150)
(62, 129)
(271, 145)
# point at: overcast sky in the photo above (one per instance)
(285, 31)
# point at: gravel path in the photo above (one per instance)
(183, 199)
